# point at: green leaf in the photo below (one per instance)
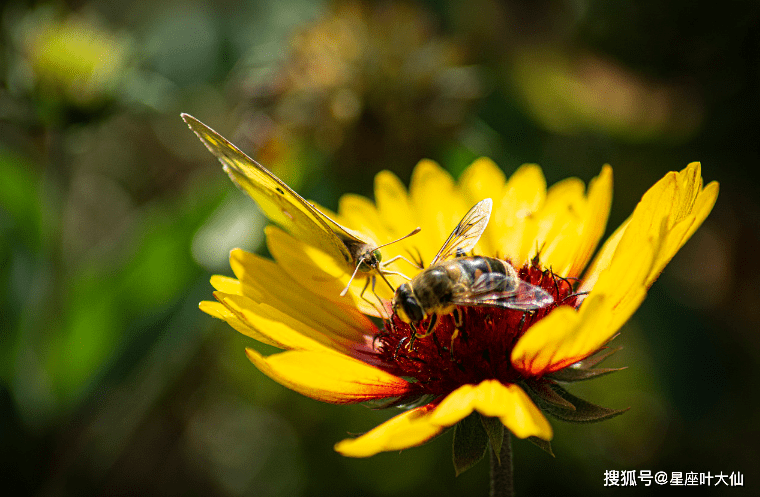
(542, 444)
(584, 370)
(544, 390)
(584, 412)
(495, 431)
(107, 302)
(596, 359)
(570, 375)
(21, 204)
(470, 443)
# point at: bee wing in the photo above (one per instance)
(280, 203)
(488, 290)
(467, 233)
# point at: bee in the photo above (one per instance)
(464, 280)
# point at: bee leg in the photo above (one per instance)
(414, 335)
(453, 336)
(417, 257)
(458, 320)
(438, 345)
(458, 317)
(522, 323)
(573, 295)
(410, 339)
(378, 336)
(398, 347)
(431, 326)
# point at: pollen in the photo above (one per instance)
(471, 344)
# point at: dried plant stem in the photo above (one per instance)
(502, 481)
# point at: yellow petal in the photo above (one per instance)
(437, 205)
(483, 179)
(689, 181)
(568, 225)
(599, 200)
(557, 226)
(393, 203)
(406, 430)
(566, 336)
(277, 327)
(226, 284)
(509, 403)
(524, 193)
(328, 376)
(514, 213)
(684, 228)
(603, 258)
(218, 310)
(491, 398)
(624, 280)
(317, 273)
(304, 263)
(265, 281)
(360, 214)
(667, 215)
(563, 337)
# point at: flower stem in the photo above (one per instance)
(502, 482)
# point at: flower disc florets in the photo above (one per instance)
(471, 344)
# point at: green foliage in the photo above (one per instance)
(567, 407)
(470, 443)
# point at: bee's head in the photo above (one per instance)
(406, 306)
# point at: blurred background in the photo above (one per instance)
(113, 217)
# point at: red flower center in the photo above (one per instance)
(472, 344)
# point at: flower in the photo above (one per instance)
(73, 58)
(505, 364)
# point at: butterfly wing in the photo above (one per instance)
(467, 233)
(280, 203)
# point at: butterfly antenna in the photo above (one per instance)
(414, 232)
(345, 290)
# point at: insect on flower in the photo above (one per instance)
(518, 348)
(302, 219)
(453, 280)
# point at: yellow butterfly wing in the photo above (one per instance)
(280, 203)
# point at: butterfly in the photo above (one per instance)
(356, 252)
